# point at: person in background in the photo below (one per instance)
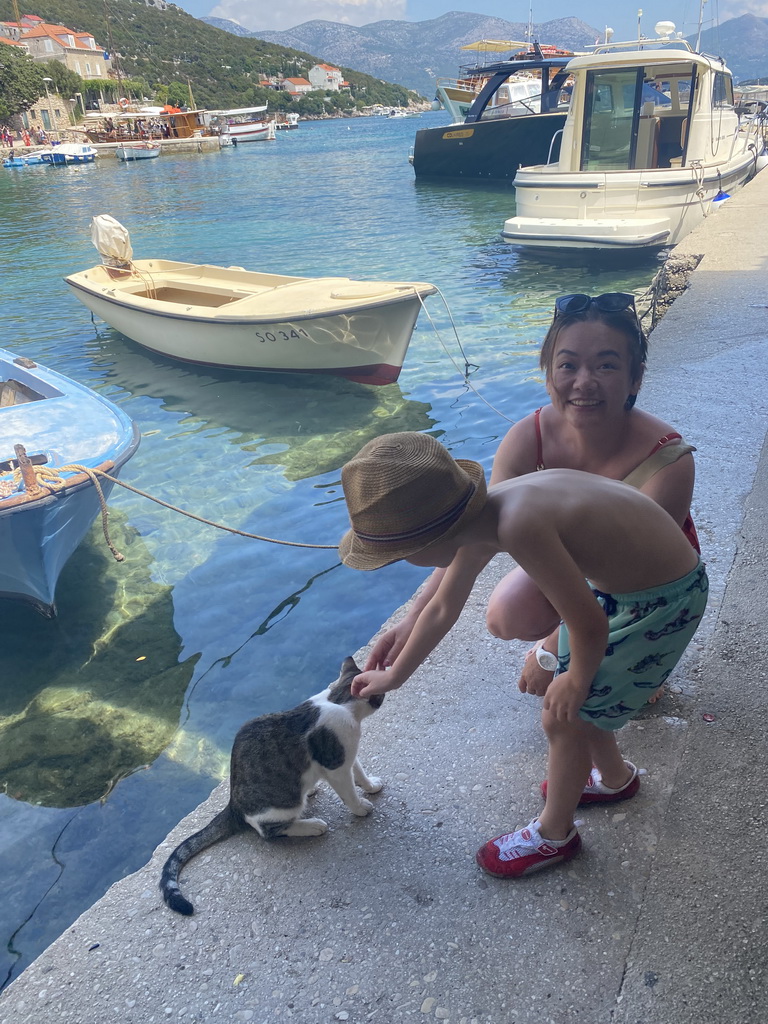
(593, 358)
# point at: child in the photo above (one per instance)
(628, 586)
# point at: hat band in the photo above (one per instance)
(445, 520)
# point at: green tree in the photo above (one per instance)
(21, 82)
(65, 82)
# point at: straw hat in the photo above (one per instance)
(404, 492)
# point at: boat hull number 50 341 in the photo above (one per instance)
(281, 334)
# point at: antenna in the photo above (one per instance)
(639, 16)
(529, 32)
(701, 18)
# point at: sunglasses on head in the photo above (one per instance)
(610, 302)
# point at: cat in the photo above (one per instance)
(277, 762)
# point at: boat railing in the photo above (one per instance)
(552, 145)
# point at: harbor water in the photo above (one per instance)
(116, 718)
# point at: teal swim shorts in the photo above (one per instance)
(647, 634)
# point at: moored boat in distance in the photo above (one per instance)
(505, 113)
(248, 320)
(50, 426)
(243, 124)
(69, 153)
(137, 151)
(651, 144)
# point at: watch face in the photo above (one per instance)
(546, 660)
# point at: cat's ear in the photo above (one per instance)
(349, 670)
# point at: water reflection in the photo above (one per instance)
(104, 695)
(307, 424)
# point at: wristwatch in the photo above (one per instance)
(547, 660)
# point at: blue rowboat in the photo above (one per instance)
(48, 423)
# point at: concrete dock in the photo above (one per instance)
(660, 920)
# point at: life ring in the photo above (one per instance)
(123, 103)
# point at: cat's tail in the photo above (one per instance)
(226, 823)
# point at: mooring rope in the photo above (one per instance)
(51, 478)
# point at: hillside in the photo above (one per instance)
(415, 53)
(743, 42)
(165, 46)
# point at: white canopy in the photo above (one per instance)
(240, 110)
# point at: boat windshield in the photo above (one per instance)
(636, 117)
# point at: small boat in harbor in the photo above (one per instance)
(504, 114)
(244, 124)
(137, 151)
(69, 153)
(27, 160)
(51, 427)
(248, 320)
(651, 145)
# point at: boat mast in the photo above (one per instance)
(701, 19)
(115, 61)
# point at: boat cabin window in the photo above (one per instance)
(722, 91)
(634, 117)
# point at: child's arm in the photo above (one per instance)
(435, 620)
(554, 571)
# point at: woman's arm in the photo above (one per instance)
(672, 487)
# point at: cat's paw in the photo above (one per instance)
(307, 827)
(372, 785)
(362, 807)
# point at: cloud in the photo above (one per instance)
(735, 9)
(291, 13)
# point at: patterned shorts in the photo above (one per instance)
(647, 635)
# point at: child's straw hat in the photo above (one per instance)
(404, 492)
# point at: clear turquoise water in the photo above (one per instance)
(116, 718)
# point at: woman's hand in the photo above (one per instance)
(534, 679)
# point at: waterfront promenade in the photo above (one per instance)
(661, 919)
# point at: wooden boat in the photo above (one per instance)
(248, 320)
(651, 145)
(137, 150)
(504, 114)
(50, 425)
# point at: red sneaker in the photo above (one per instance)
(525, 851)
(596, 793)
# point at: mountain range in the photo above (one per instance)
(413, 54)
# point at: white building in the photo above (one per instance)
(326, 77)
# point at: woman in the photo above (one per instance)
(593, 358)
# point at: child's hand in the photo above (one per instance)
(375, 681)
(564, 698)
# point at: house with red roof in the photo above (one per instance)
(79, 51)
(327, 77)
(297, 86)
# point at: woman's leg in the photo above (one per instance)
(517, 609)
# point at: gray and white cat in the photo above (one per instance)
(277, 762)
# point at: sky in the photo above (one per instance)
(622, 16)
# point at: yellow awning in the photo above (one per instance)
(493, 45)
